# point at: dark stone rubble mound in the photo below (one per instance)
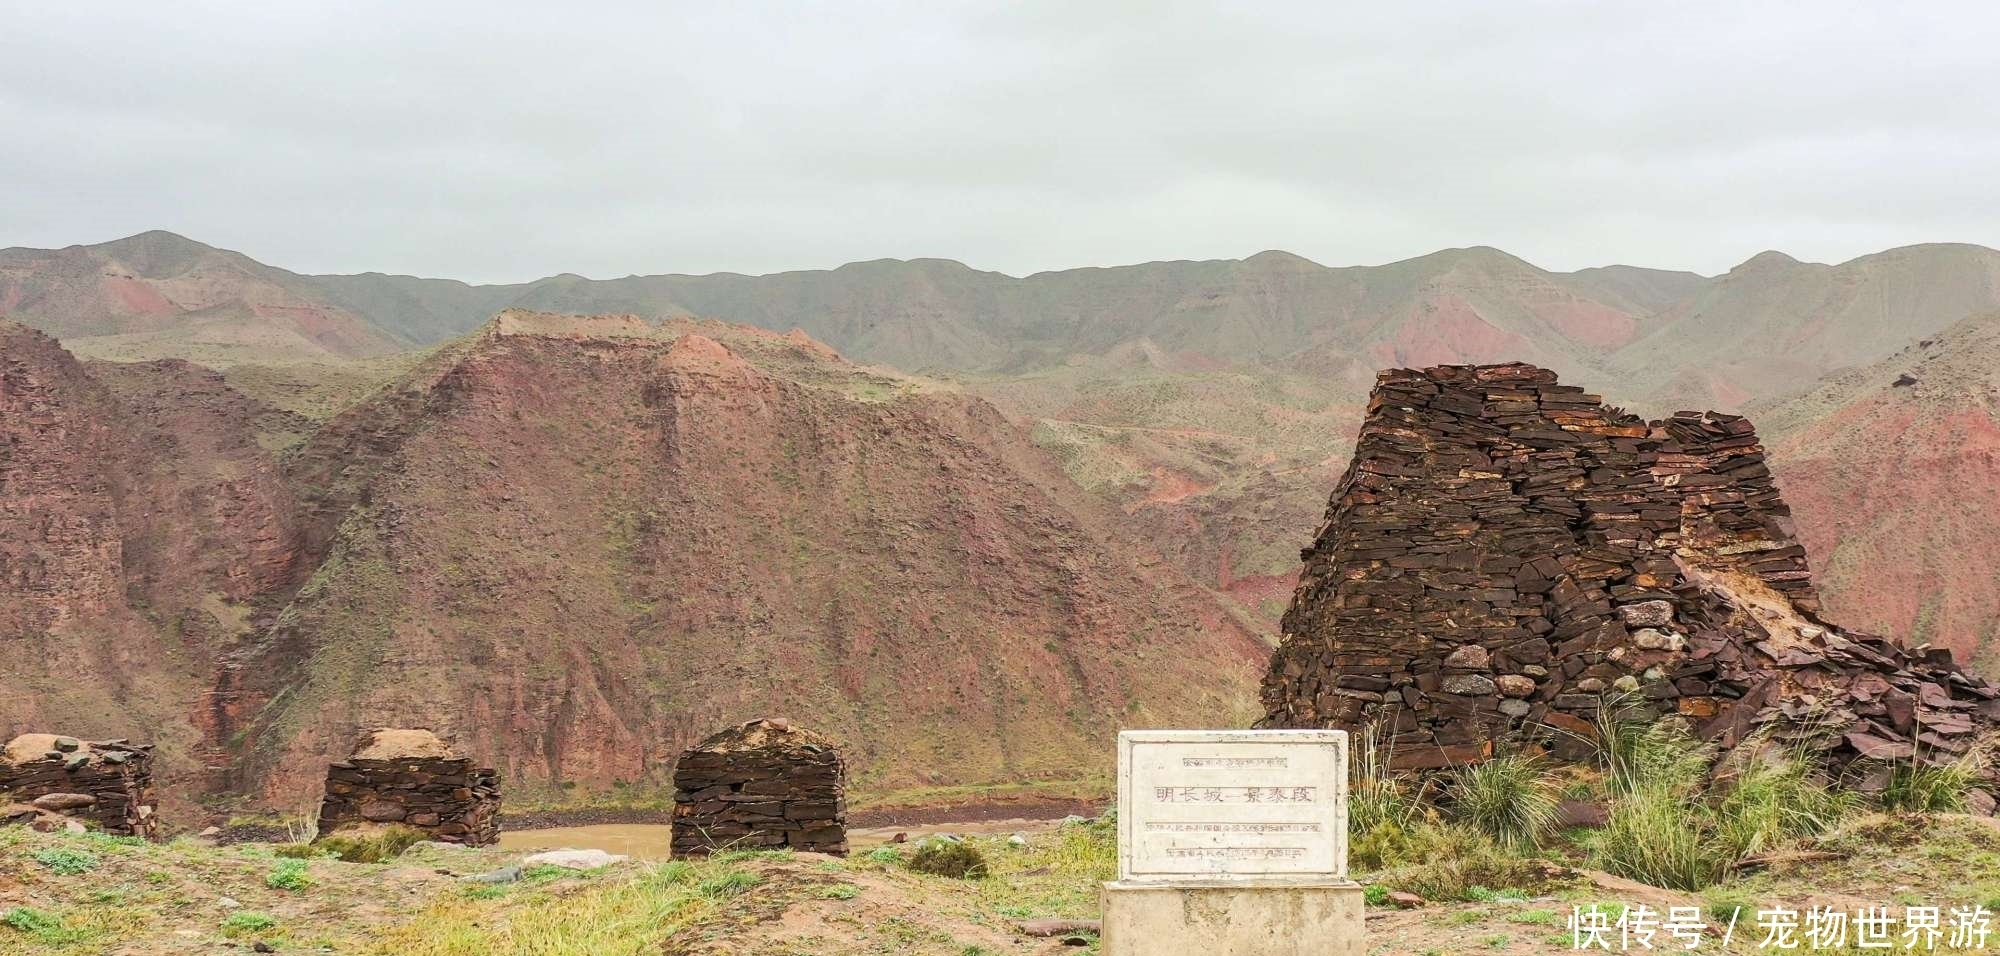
(761, 785)
(414, 779)
(47, 780)
(1505, 555)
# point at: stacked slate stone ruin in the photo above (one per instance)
(50, 782)
(1506, 554)
(760, 785)
(413, 779)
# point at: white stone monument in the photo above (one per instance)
(1232, 843)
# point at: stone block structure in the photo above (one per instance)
(411, 778)
(47, 780)
(761, 785)
(1506, 553)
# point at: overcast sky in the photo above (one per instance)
(498, 142)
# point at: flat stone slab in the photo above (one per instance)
(1232, 806)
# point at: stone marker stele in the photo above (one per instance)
(1232, 843)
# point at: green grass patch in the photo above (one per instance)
(66, 861)
(245, 922)
(289, 875)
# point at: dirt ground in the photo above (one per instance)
(98, 896)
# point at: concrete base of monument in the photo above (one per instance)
(1233, 919)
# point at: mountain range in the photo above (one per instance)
(960, 518)
(1768, 328)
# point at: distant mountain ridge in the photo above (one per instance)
(159, 295)
(1768, 327)
(1894, 473)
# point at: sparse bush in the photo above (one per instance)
(66, 861)
(1457, 862)
(1776, 798)
(1928, 788)
(885, 855)
(956, 859)
(1638, 754)
(380, 846)
(1384, 845)
(300, 851)
(245, 921)
(1511, 799)
(1377, 797)
(1664, 836)
(1383, 811)
(288, 875)
(1670, 830)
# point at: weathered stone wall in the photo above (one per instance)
(411, 778)
(1506, 553)
(1729, 502)
(759, 785)
(106, 784)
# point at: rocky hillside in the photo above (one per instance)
(580, 545)
(140, 521)
(1893, 469)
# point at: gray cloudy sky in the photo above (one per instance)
(492, 141)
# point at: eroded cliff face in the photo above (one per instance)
(578, 546)
(141, 531)
(1506, 554)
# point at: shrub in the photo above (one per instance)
(1511, 799)
(885, 855)
(956, 859)
(1643, 753)
(1384, 845)
(1681, 838)
(1377, 797)
(382, 845)
(1375, 894)
(66, 861)
(1927, 788)
(1776, 798)
(246, 921)
(289, 875)
(1664, 836)
(1459, 862)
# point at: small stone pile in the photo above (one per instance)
(411, 778)
(1505, 554)
(760, 785)
(51, 782)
